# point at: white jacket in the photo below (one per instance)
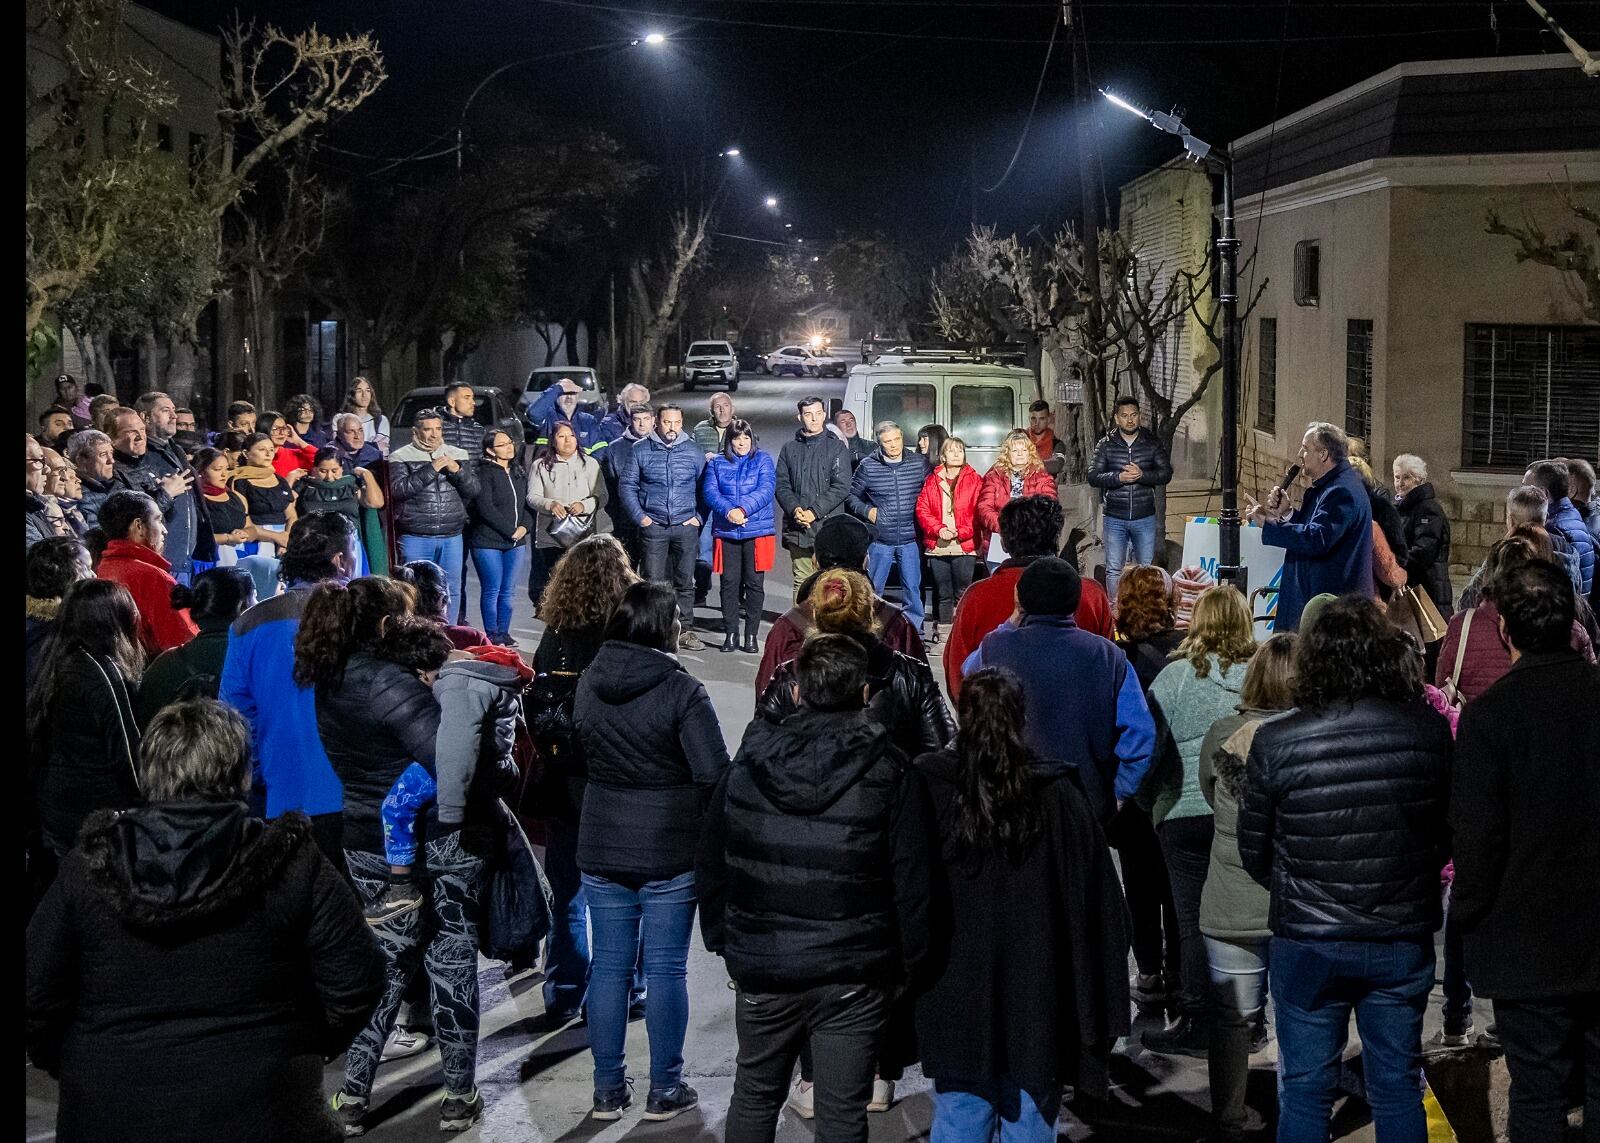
(574, 480)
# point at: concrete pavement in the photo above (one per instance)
(537, 1082)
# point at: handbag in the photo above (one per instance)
(1413, 611)
(571, 528)
(517, 902)
(1452, 686)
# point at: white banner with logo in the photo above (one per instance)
(1202, 543)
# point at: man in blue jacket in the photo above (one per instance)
(292, 771)
(884, 493)
(660, 487)
(1328, 541)
(1085, 708)
(1562, 517)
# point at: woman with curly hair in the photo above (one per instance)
(1147, 621)
(584, 589)
(1233, 907)
(1199, 687)
(1344, 819)
(1017, 471)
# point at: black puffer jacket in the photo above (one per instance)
(815, 868)
(814, 473)
(427, 501)
(88, 757)
(1426, 555)
(654, 751)
(1129, 501)
(1344, 820)
(188, 948)
(380, 720)
(464, 433)
(906, 699)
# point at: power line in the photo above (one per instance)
(1055, 27)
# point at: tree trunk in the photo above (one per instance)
(430, 347)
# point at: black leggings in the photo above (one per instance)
(950, 576)
(744, 590)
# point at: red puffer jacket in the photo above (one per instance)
(930, 508)
(996, 494)
(1488, 655)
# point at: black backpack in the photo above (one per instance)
(556, 788)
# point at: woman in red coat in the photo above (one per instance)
(947, 518)
(1017, 471)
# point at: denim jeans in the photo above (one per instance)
(669, 557)
(1120, 535)
(1013, 1117)
(566, 958)
(702, 558)
(908, 557)
(1238, 997)
(498, 572)
(1457, 989)
(1315, 986)
(659, 916)
(447, 552)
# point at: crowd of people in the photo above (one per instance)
(268, 794)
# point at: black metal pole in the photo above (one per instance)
(1229, 568)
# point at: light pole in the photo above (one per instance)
(1218, 161)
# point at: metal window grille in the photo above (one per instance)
(1529, 392)
(1358, 378)
(1267, 376)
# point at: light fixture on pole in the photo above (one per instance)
(772, 203)
(655, 39)
(730, 153)
(1217, 161)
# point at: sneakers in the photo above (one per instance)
(802, 1100)
(1184, 1037)
(882, 1095)
(1147, 990)
(611, 1104)
(689, 641)
(1461, 1038)
(670, 1102)
(636, 1010)
(459, 1112)
(398, 899)
(403, 1042)
(350, 1114)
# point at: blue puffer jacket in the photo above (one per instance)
(893, 490)
(748, 482)
(1563, 517)
(662, 481)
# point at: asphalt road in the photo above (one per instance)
(537, 1083)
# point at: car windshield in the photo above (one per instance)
(709, 349)
(544, 378)
(413, 403)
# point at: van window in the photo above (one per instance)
(982, 415)
(909, 406)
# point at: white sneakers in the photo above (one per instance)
(882, 1095)
(802, 1098)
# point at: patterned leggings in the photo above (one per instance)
(445, 936)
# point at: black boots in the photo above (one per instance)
(750, 644)
(730, 641)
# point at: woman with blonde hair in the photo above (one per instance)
(1017, 471)
(1201, 685)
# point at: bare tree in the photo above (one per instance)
(1576, 253)
(657, 287)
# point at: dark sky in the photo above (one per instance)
(887, 114)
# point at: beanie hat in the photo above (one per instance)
(1312, 609)
(842, 542)
(1049, 586)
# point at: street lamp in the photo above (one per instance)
(1220, 162)
(730, 153)
(772, 203)
(655, 39)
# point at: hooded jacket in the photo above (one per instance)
(749, 482)
(789, 631)
(1233, 905)
(815, 867)
(891, 487)
(1137, 500)
(1426, 554)
(478, 707)
(813, 473)
(188, 973)
(654, 751)
(1189, 705)
(662, 481)
(1344, 819)
(428, 502)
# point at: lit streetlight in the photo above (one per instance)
(772, 202)
(655, 39)
(1218, 162)
(730, 153)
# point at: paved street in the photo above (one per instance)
(537, 1083)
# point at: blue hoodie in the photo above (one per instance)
(292, 771)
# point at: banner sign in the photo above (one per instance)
(1202, 544)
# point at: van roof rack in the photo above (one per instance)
(911, 352)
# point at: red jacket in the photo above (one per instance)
(990, 602)
(930, 508)
(996, 495)
(1488, 654)
(148, 578)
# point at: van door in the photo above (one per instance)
(982, 412)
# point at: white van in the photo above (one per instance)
(975, 397)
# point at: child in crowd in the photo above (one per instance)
(479, 697)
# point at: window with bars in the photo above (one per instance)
(1529, 392)
(1358, 378)
(1307, 273)
(1267, 375)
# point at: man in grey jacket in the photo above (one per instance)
(433, 483)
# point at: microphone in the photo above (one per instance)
(1289, 478)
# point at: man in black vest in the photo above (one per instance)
(813, 886)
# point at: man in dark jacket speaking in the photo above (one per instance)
(813, 481)
(813, 886)
(1328, 541)
(884, 494)
(432, 483)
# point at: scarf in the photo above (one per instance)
(254, 472)
(1044, 440)
(215, 491)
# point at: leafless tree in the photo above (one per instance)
(657, 288)
(1576, 253)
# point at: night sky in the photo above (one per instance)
(863, 115)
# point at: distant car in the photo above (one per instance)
(494, 411)
(752, 359)
(585, 378)
(713, 361)
(803, 361)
